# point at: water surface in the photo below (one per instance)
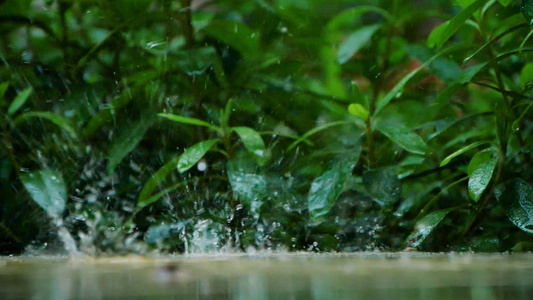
(266, 276)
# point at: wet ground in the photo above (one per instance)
(266, 276)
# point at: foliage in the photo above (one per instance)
(299, 125)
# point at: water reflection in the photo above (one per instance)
(356, 276)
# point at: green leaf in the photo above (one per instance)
(516, 198)
(3, 88)
(193, 154)
(253, 142)
(190, 121)
(236, 35)
(348, 16)
(151, 184)
(247, 182)
(449, 158)
(400, 85)
(425, 226)
(316, 130)
(404, 137)
(383, 186)
(60, 121)
(19, 100)
(517, 123)
(125, 143)
(480, 157)
(527, 10)
(526, 75)
(195, 62)
(47, 189)
(436, 33)
(326, 189)
(358, 96)
(149, 200)
(481, 175)
(465, 3)
(355, 42)
(359, 111)
(458, 21)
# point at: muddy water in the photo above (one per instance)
(282, 276)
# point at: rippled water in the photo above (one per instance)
(266, 276)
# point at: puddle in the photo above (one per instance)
(281, 276)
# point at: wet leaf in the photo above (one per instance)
(457, 22)
(404, 137)
(449, 158)
(383, 186)
(47, 189)
(195, 61)
(326, 189)
(316, 130)
(516, 198)
(253, 143)
(481, 175)
(425, 226)
(247, 182)
(355, 42)
(19, 100)
(125, 143)
(145, 196)
(480, 157)
(193, 154)
(190, 121)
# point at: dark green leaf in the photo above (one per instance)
(527, 10)
(195, 61)
(193, 154)
(516, 198)
(19, 100)
(457, 22)
(326, 189)
(383, 186)
(355, 42)
(358, 96)
(247, 182)
(47, 189)
(60, 121)
(151, 184)
(425, 226)
(236, 35)
(125, 143)
(253, 143)
(404, 137)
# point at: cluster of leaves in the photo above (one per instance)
(286, 124)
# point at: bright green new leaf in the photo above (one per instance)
(449, 158)
(480, 177)
(355, 42)
(516, 198)
(47, 189)
(193, 154)
(404, 137)
(425, 226)
(457, 22)
(326, 189)
(187, 120)
(19, 100)
(253, 142)
(125, 143)
(359, 111)
(60, 121)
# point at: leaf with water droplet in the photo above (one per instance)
(247, 181)
(326, 188)
(516, 198)
(47, 189)
(480, 171)
(253, 142)
(404, 137)
(194, 153)
(19, 100)
(425, 226)
(355, 42)
(383, 186)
